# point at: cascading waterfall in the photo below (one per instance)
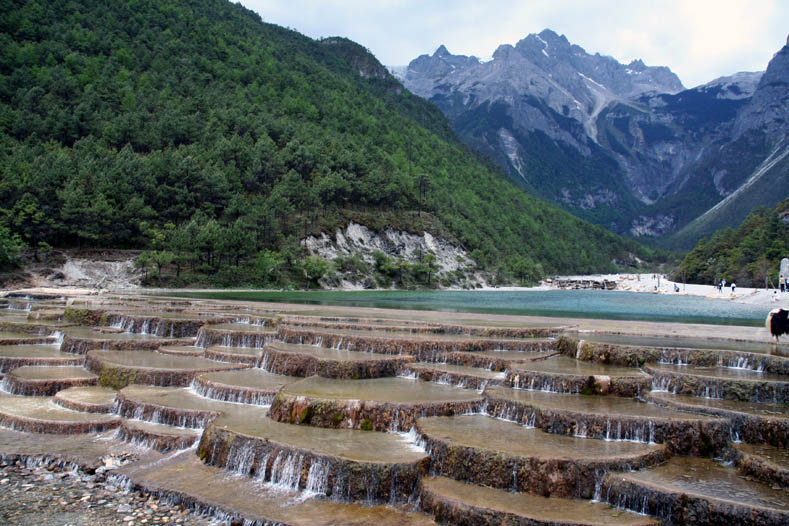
(241, 459)
(230, 395)
(394, 426)
(286, 470)
(674, 358)
(580, 430)
(408, 374)
(249, 341)
(318, 478)
(548, 384)
(171, 418)
(446, 379)
(711, 392)
(734, 435)
(513, 413)
(635, 499)
(200, 341)
(265, 361)
(663, 384)
(138, 413)
(125, 485)
(741, 362)
(263, 468)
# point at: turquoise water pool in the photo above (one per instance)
(559, 303)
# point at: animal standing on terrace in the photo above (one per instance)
(778, 322)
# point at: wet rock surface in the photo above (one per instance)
(489, 452)
(610, 418)
(656, 350)
(465, 504)
(309, 360)
(381, 404)
(354, 444)
(697, 491)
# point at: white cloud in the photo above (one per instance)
(698, 39)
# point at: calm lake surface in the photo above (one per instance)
(560, 303)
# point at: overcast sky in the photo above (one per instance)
(698, 39)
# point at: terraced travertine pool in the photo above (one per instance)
(261, 416)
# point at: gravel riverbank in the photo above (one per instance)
(36, 495)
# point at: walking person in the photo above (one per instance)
(733, 286)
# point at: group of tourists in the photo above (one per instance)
(722, 284)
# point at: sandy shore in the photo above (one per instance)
(659, 284)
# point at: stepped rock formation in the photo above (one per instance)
(397, 422)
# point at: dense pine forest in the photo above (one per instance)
(216, 141)
(748, 255)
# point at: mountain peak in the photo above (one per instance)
(637, 65)
(442, 51)
(551, 36)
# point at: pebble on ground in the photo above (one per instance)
(54, 496)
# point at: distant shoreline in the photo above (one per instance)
(643, 283)
(648, 283)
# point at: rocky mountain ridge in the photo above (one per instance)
(623, 145)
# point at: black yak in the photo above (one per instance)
(778, 322)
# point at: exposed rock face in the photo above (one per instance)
(568, 383)
(232, 393)
(691, 436)
(366, 415)
(437, 328)
(555, 475)
(346, 479)
(127, 407)
(422, 348)
(654, 156)
(674, 507)
(159, 439)
(751, 428)
(359, 240)
(637, 356)
(721, 388)
(78, 345)
(294, 363)
(761, 468)
(156, 325)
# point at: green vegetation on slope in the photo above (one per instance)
(748, 255)
(123, 123)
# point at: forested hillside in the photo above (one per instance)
(747, 255)
(193, 127)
